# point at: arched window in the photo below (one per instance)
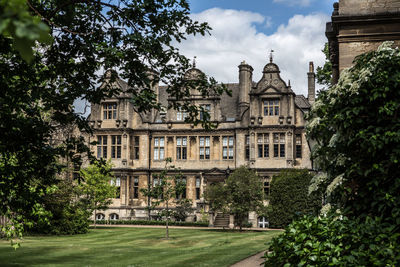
(100, 216)
(263, 222)
(114, 216)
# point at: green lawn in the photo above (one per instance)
(136, 247)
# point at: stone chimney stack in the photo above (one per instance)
(245, 81)
(311, 83)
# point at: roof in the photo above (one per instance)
(302, 102)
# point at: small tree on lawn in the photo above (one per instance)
(167, 187)
(97, 190)
(242, 193)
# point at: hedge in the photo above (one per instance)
(144, 222)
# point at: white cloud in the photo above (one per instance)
(294, 2)
(234, 38)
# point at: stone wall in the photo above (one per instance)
(368, 7)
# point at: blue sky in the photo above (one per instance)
(279, 11)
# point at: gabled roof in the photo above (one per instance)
(302, 102)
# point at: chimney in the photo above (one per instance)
(311, 83)
(245, 80)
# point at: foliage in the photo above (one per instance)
(357, 128)
(97, 191)
(242, 193)
(290, 189)
(335, 241)
(68, 214)
(37, 96)
(357, 131)
(324, 73)
(22, 27)
(168, 188)
(182, 209)
(146, 222)
(217, 197)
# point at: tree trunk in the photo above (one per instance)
(95, 219)
(166, 228)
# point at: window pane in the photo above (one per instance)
(156, 141)
(259, 138)
(276, 111)
(207, 141)
(260, 151)
(266, 151)
(161, 153)
(118, 139)
(197, 182)
(99, 152)
(282, 150)
(178, 141)
(104, 140)
(231, 141)
(201, 141)
(184, 141)
(266, 138)
(162, 141)
(207, 151)
(224, 141)
(156, 153)
(224, 152)
(271, 111)
(231, 152)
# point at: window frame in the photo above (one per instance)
(299, 145)
(116, 146)
(159, 148)
(279, 144)
(206, 107)
(263, 141)
(204, 147)
(181, 147)
(110, 110)
(271, 107)
(228, 147)
(102, 144)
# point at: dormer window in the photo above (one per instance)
(180, 115)
(271, 107)
(109, 111)
(207, 108)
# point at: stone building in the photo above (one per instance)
(359, 26)
(261, 126)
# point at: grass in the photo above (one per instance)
(136, 247)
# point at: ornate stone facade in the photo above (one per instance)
(359, 26)
(261, 126)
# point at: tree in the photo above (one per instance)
(38, 95)
(324, 73)
(290, 189)
(97, 190)
(356, 125)
(165, 190)
(242, 193)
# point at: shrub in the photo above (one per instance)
(335, 241)
(144, 222)
(290, 189)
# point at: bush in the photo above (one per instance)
(68, 216)
(331, 241)
(144, 222)
(290, 189)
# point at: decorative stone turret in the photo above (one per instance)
(311, 83)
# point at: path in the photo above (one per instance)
(252, 261)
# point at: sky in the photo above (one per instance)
(249, 30)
